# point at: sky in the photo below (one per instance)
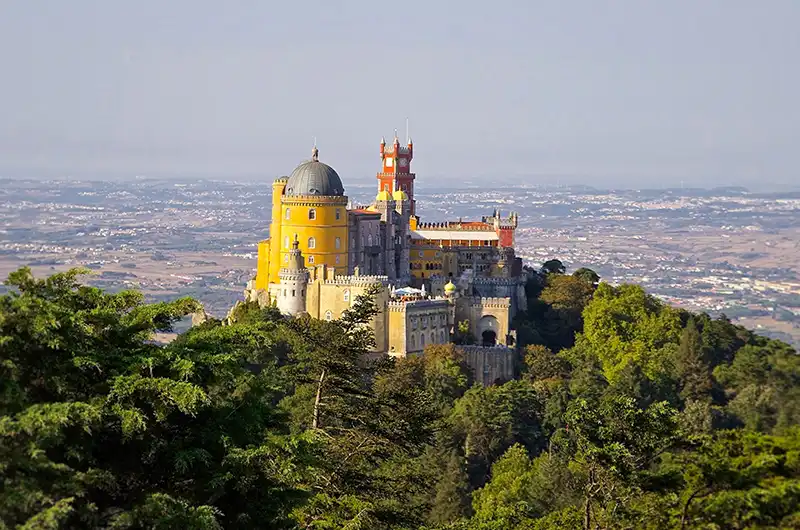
(644, 93)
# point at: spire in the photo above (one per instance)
(383, 140)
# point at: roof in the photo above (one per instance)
(474, 235)
(314, 178)
(362, 211)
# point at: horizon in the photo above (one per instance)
(613, 96)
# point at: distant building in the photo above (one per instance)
(323, 252)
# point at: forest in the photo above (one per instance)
(627, 413)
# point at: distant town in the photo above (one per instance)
(720, 251)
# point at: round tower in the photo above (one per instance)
(291, 295)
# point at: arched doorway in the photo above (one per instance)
(488, 327)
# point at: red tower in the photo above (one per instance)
(395, 173)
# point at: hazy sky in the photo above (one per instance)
(608, 92)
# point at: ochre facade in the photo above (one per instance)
(323, 252)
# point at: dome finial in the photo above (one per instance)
(315, 153)
(296, 243)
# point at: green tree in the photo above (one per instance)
(553, 266)
(625, 325)
(101, 427)
(587, 275)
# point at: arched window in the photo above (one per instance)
(346, 295)
(310, 258)
(288, 214)
(312, 243)
(312, 214)
(338, 213)
(433, 337)
(337, 259)
(328, 316)
(411, 342)
(337, 243)
(422, 340)
(441, 336)
(286, 241)
(369, 240)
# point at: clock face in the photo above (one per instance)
(388, 161)
(402, 162)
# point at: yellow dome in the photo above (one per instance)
(383, 195)
(400, 195)
(449, 287)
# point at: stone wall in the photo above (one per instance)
(490, 365)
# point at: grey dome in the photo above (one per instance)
(314, 178)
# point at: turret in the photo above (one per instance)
(383, 148)
(291, 295)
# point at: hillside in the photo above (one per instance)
(626, 413)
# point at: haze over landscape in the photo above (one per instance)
(644, 94)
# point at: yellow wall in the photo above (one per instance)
(428, 256)
(262, 265)
(325, 228)
(275, 230)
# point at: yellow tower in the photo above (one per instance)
(309, 206)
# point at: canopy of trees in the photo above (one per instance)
(627, 413)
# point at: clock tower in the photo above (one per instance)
(395, 173)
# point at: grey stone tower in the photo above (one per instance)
(291, 295)
(402, 236)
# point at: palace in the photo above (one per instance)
(430, 277)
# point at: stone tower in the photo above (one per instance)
(404, 210)
(291, 295)
(395, 170)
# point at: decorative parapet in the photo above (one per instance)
(358, 280)
(403, 305)
(314, 200)
(494, 280)
(489, 301)
(293, 274)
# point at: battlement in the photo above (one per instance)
(492, 280)
(388, 175)
(489, 301)
(358, 280)
(293, 274)
(425, 303)
(471, 226)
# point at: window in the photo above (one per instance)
(441, 336)
(425, 322)
(338, 213)
(421, 254)
(337, 243)
(328, 316)
(294, 293)
(312, 214)
(288, 214)
(433, 338)
(337, 259)
(413, 323)
(411, 342)
(312, 243)
(286, 258)
(346, 295)
(284, 292)
(310, 259)
(369, 240)
(421, 340)
(286, 242)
